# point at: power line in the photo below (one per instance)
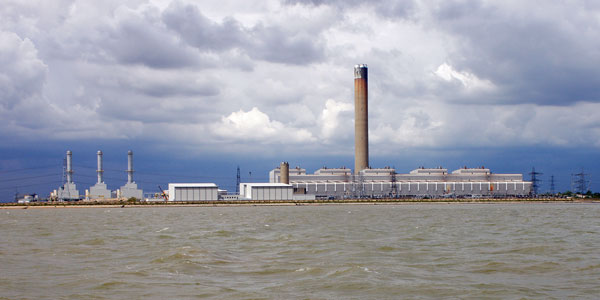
(30, 177)
(25, 169)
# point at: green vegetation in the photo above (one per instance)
(569, 194)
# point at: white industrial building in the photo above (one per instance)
(193, 191)
(436, 182)
(266, 191)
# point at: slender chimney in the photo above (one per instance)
(284, 173)
(361, 118)
(100, 171)
(69, 166)
(130, 166)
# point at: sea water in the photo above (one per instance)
(421, 251)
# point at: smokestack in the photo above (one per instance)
(69, 166)
(130, 166)
(284, 173)
(361, 118)
(100, 171)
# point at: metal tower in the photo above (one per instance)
(535, 182)
(394, 186)
(580, 183)
(552, 187)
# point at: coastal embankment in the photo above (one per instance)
(386, 201)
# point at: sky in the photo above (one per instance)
(197, 88)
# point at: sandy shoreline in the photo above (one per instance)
(292, 203)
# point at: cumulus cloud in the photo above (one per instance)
(255, 125)
(331, 123)
(469, 81)
(23, 73)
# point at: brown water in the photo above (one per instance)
(490, 251)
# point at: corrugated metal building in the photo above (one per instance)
(266, 191)
(193, 191)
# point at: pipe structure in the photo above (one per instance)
(69, 166)
(361, 118)
(130, 166)
(284, 169)
(100, 171)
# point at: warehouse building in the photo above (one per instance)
(266, 191)
(193, 191)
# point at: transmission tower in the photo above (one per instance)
(238, 180)
(361, 182)
(394, 187)
(580, 183)
(535, 182)
(552, 186)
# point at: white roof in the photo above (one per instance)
(205, 185)
(268, 184)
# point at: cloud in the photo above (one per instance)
(270, 42)
(268, 73)
(534, 54)
(469, 81)
(256, 126)
(200, 31)
(387, 8)
(331, 123)
(23, 73)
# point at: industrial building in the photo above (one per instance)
(99, 190)
(68, 191)
(193, 191)
(266, 191)
(377, 183)
(130, 189)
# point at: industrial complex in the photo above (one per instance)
(329, 183)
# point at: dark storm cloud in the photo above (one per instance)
(277, 45)
(137, 41)
(201, 32)
(263, 42)
(161, 88)
(386, 8)
(543, 55)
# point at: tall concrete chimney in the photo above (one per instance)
(100, 171)
(361, 118)
(130, 166)
(284, 173)
(69, 166)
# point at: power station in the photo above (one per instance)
(365, 181)
(337, 183)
